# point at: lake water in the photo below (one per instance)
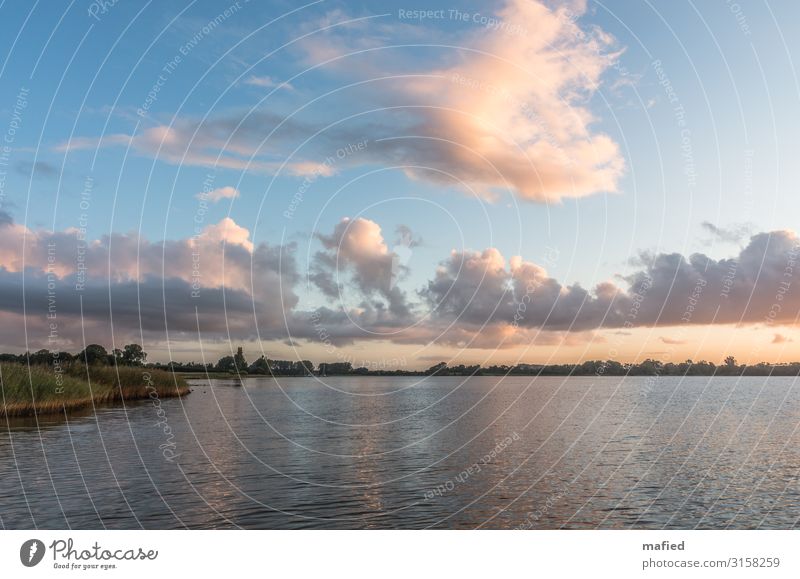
(442, 452)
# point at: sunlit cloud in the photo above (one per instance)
(219, 194)
(508, 112)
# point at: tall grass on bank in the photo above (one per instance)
(28, 390)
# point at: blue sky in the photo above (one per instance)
(88, 72)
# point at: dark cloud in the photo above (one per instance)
(474, 300)
(127, 284)
(670, 290)
(481, 288)
(404, 236)
(735, 234)
(37, 169)
(160, 309)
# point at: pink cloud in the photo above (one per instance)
(501, 112)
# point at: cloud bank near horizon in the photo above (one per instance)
(128, 287)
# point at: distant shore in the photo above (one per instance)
(597, 368)
(55, 382)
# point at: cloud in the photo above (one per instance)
(356, 247)
(83, 143)
(781, 339)
(509, 112)
(160, 308)
(125, 257)
(219, 282)
(733, 235)
(672, 341)
(516, 109)
(405, 237)
(481, 299)
(233, 288)
(484, 289)
(267, 82)
(504, 112)
(749, 288)
(219, 194)
(37, 169)
(219, 143)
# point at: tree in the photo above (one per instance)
(239, 361)
(441, 366)
(260, 366)
(40, 357)
(335, 368)
(226, 364)
(650, 367)
(133, 355)
(305, 367)
(730, 362)
(94, 355)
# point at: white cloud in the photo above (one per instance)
(267, 82)
(219, 194)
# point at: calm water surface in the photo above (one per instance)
(446, 452)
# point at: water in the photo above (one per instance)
(444, 452)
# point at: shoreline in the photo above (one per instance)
(28, 409)
(218, 376)
(27, 391)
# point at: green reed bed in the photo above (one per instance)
(28, 390)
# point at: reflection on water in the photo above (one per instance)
(445, 452)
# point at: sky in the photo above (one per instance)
(396, 185)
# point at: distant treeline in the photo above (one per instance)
(134, 355)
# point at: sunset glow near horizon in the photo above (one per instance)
(397, 185)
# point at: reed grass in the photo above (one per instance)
(29, 390)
